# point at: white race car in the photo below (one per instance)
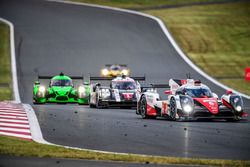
(189, 100)
(122, 92)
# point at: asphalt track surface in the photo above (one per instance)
(53, 37)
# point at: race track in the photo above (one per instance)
(53, 37)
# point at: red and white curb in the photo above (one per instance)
(14, 121)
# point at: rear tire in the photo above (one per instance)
(143, 108)
(98, 103)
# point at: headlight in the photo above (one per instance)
(125, 72)
(41, 89)
(81, 89)
(237, 103)
(105, 93)
(236, 100)
(187, 104)
(238, 108)
(187, 108)
(105, 72)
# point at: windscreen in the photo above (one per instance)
(61, 83)
(124, 85)
(198, 92)
(115, 68)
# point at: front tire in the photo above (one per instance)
(143, 107)
(173, 109)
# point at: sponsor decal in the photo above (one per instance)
(247, 74)
(164, 107)
(183, 82)
(210, 103)
(151, 110)
(128, 96)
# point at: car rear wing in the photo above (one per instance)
(154, 86)
(109, 65)
(49, 77)
(91, 78)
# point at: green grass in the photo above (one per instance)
(5, 69)
(16, 147)
(215, 37)
(142, 3)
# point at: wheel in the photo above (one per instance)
(98, 103)
(90, 104)
(173, 108)
(143, 107)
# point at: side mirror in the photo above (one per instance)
(215, 95)
(85, 83)
(168, 92)
(37, 83)
(228, 92)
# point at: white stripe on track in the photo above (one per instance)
(14, 121)
(14, 114)
(15, 129)
(14, 125)
(10, 108)
(11, 111)
(16, 135)
(14, 117)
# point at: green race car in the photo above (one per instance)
(61, 90)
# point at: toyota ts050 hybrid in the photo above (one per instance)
(189, 100)
(60, 90)
(114, 70)
(122, 92)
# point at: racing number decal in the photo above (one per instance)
(164, 108)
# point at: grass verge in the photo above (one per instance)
(17, 147)
(5, 68)
(215, 37)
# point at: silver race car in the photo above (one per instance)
(122, 92)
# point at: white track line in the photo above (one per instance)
(13, 61)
